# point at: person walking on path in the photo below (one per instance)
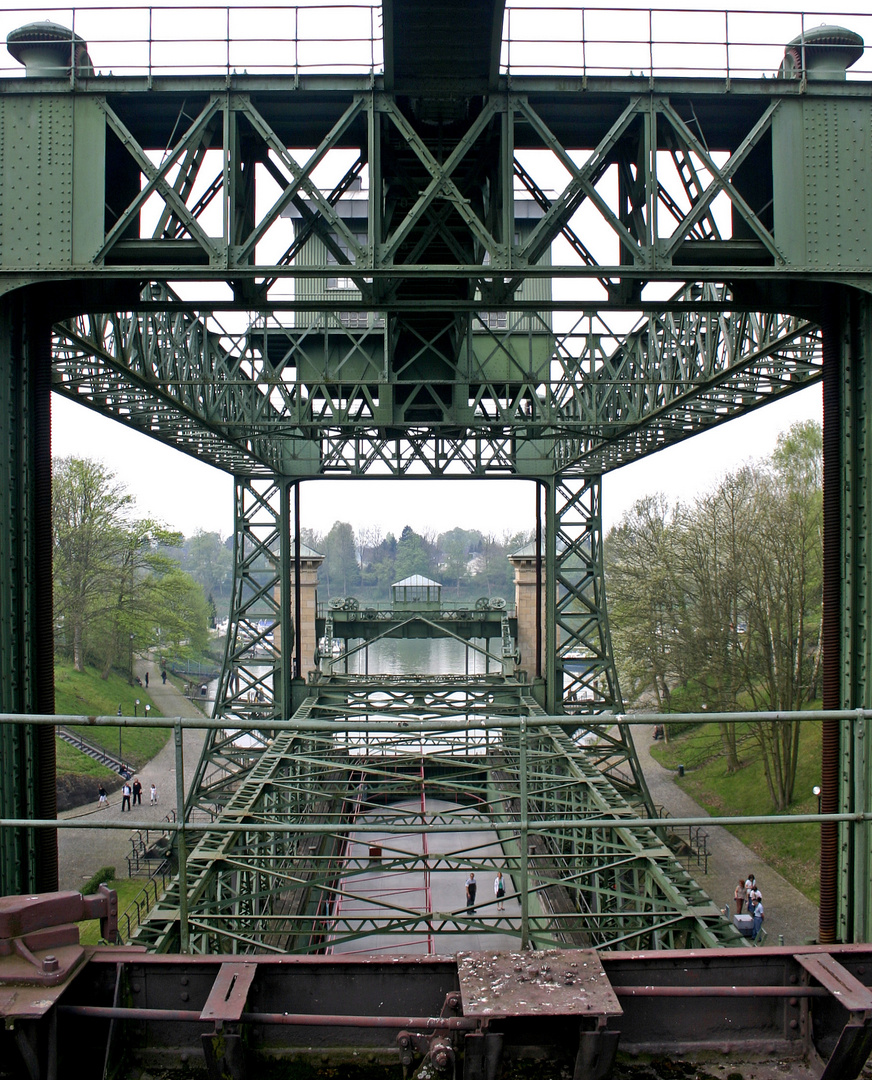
(471, 889)
(153, 795)
(163, 676)
(500, 890)
(125, 797)
(146, 680)
(739, 896)
(137, 792)
(103, 797)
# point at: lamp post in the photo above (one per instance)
(147, 711)
(119, 734)
(817, 791)
(135, 707)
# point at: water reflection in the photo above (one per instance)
(417, 656)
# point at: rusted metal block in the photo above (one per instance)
(552, 982)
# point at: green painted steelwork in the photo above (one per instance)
(733, 198)
(277, 891)
(854, 766)
(28, 859)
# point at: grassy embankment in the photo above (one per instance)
(128, 889)
(86, 693)
(792, 850)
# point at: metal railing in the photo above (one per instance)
(694, 848)
(648, 42)
(144, 901)
(257, 40)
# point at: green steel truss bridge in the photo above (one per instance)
(432, 263)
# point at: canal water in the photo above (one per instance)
(419, 656)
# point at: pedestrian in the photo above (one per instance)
(137, 792)
(471, 889)
(757, 925)
(146, 680)
(750, 884)
(739, 896)
(500, 890)
(163, 676)
(125, 797)
(103, 796)
(153, 795)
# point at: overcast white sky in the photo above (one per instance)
(189, 495)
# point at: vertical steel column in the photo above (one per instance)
(181, 840)
(289, 656)
(583, 649)
(251, 675)
(524, 835)
(552, 670)
(28, 858)
(540, 491)
(831, 621)
(584, 646)
(847, 761)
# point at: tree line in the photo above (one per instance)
(126, 584)
(466, 562)
(716, 604)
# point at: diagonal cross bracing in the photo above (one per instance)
(183, 378)
(293, 868)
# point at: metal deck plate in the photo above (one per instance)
(550, 983)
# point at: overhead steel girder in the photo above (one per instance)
(606, 397)
(279, 881)
(644, 182)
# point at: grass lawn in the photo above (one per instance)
(792, 850)
(128, 889)
(86, 693)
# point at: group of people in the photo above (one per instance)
(749, 900)
(131, 795)
(499, 891)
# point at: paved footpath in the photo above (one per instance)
(788, 913)
(82, 852)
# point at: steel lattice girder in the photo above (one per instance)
(672, 152)
(251, 684)
(278, 883)
(611, 397)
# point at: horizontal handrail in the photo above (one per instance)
(346, 38)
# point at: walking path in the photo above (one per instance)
(82, 852)
(789, 914)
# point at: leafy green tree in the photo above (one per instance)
(647, 608)
(114, 584)
(383, 564)
(340, 564)
(209, 560)
(454, 548)
(785, 601)
(412, 555)
(726, 596)
(88, 519)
